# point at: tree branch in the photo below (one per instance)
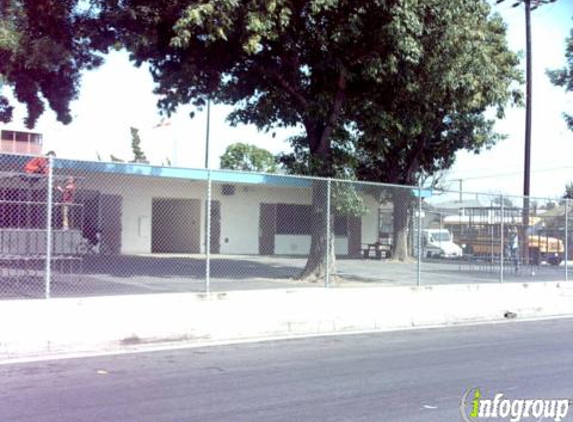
(415, 160)
(334, 112)
(296, 95)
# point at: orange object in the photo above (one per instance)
(37, 165)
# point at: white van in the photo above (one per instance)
(440, 243)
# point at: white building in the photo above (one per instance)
(20, 141)
(142, 209)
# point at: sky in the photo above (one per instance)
(500, 170)
(118, 96)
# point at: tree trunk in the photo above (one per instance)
(320, 153)
(402, 199)
(316, 266)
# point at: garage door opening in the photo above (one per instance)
(175, 225)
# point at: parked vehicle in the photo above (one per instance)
(481, 230)
(543, 248)
(439, 243)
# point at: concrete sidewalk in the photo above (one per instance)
(33, 328)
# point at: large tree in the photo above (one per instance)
(340, 69)
(279, 62)
(329, 66)
(436, 105)
(564, 77)
(433, 107)
(44, 46)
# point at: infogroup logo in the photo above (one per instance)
(475, 407)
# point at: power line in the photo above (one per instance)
(489, 176)
(459, 175)
(469, 173)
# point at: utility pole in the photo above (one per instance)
(208, 128)
(528, 100)
(208, 204)
(460, 189)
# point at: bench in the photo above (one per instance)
(377, 249)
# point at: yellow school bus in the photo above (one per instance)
(480, 232)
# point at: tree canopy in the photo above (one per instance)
(437, 105)
(568, 191)
(564, 77)
(434, 106)
(240, 156)
(280, 62)
(138, 154)
(44, 46)
(326, 65)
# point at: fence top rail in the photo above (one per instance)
(22, 176)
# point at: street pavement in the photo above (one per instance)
(417, 375)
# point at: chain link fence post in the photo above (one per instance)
(328, 234)
(49, 209)
(208, 233)
(501, 244)
(419, 277)
(566, 252)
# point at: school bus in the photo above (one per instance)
(480, 232)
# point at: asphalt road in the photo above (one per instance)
(401, 376)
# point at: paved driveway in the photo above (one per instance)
(116, 275)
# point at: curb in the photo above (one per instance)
(63, 327)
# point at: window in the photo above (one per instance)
(21, 137)
(293, 219)
(10, 135)
(441, 237)
(7, 135)
(385, 223)
(36, 138)
(296, 220)
(340, 225)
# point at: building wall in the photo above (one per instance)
(14, 147)
(370, 221)
(239, 212)
(300, 245)
(137, 194)
(20, 142)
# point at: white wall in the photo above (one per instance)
(300, 245)
(370, 221)
(137, 194)
(239, 212)
(98, 324)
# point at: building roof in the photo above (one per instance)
(558, 211)
(15, 163)
(456, 205)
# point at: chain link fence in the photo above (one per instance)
(72, 228)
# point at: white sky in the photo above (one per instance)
(501, 168)
(118, 96)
